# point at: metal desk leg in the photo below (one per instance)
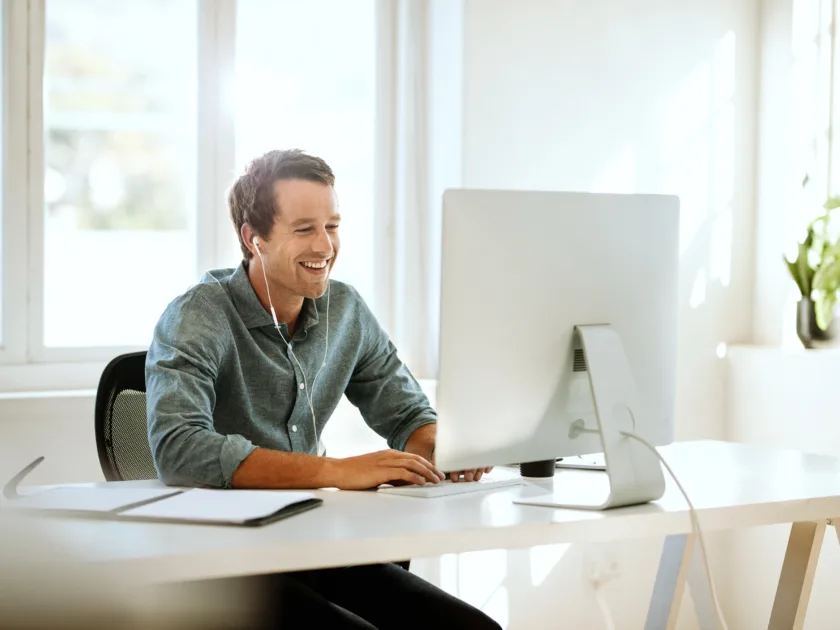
(704, 604)
(674, 567)
(681, 563)
(797, 576)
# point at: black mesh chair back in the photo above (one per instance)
(120, 417)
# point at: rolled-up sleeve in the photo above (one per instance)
(387, 395)
(181, 371)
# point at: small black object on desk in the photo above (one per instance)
(540, 469)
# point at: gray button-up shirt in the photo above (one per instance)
(221, 381)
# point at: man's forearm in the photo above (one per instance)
(422, 441)
(267, 469)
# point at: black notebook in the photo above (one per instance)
(248, 508)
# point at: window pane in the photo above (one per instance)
(305, 78)
(120, 139)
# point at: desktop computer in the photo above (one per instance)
(558, 336)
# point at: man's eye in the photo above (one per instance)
(332, 227)
(303, 230)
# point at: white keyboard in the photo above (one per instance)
(447, 488)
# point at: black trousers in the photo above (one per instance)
(380, 597)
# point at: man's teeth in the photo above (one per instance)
(316, 265)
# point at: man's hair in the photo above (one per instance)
(251, 198)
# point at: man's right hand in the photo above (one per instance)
(373, 469)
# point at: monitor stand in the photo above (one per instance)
(633, 472)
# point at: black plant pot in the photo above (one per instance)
(811, 335)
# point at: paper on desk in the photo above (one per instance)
(223, 506)
(87, 499)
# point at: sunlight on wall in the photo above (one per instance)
(478, 578)
(698, 290)
(498, 607)
(619, 174)
(449, 573)
(685, 151)
(722, 133)
(480, 574)
(698, 147)
(543, 560)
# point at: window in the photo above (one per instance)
(120, 160)
(305, 78)
(126, 122)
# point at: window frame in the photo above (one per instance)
(15, 298)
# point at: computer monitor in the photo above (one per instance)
(558, 334)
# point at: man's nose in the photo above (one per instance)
(323, 244)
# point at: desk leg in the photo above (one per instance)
(674, 568)
(797, 576)
(704, 604)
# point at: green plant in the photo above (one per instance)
(816, 269)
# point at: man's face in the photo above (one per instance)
(302, 246)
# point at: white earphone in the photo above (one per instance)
(306, 391)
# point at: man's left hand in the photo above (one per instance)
(422, 442)
(469, 475)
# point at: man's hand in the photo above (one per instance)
(469, 475)
(422, 442)
(369, 471)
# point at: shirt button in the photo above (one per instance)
(301, 385)
(294, 427)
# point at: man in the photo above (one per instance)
(246, 368)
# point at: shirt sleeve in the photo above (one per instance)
(181, 371)
(388, 396)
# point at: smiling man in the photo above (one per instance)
(246, 367)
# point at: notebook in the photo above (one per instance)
(193, 505)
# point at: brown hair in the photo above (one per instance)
(251, 198)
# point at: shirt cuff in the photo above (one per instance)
(398, 441)
(234, 451)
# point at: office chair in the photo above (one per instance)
(120, 417)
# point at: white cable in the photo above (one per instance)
(695, 525)
(294, 356)
(327, 344)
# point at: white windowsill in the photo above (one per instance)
(42, 380)
(747, 351)
(34, 379)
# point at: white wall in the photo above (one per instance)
(58, 427)
(644, 96)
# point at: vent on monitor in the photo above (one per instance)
(579, 361)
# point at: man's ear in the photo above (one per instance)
(248, 234)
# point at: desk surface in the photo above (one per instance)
(731, 485)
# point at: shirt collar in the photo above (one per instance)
(251, 310)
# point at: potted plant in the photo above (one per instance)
(816, 271)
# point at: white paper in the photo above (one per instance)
(222, 506)
(87, 499)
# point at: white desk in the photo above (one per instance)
(731, 485)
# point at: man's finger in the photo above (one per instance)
(478, 474)
(454, 476)
(422, 460)
(469, 475)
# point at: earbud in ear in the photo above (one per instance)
(256, 244)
